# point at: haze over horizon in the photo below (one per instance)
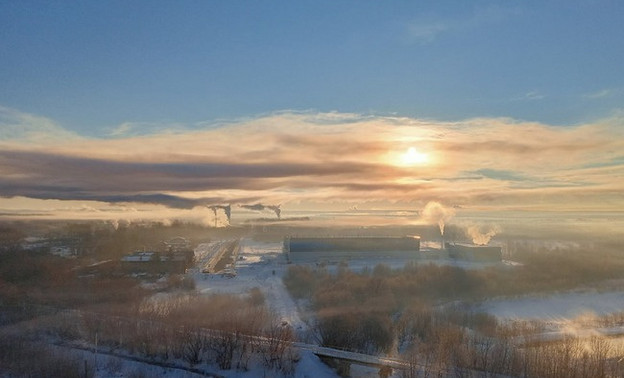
(155, 110)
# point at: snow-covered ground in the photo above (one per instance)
(565, 314)
(110, 366)
(259, 265)
(262, 265)
(556, 306)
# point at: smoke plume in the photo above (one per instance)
(259, 207)
(276, 209)
(227, 209)
(435, 212)
(481, 235)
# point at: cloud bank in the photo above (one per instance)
(300, 159)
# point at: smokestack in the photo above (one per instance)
(214, 211)
(277, 210)
(228, 212)
(227, 209)
(435, 212)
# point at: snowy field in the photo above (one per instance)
(556, 307)
(565, 314)
(259, 265)
(262, 265)
(103, 365)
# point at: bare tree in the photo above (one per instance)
(277, 351)
(193, 344)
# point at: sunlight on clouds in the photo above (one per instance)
(294, 158)
(414, 157)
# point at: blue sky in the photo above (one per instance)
(93, 65)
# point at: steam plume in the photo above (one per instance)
(435, 212)
(259, 207)
(276, 209)
(227, 209)
(481, 235)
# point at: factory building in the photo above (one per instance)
(300, 249)
(154, 262)
(476, 253)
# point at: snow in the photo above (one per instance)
(262, 265)
(117, 366)
(556, 306)
(310, 366)
(564, 314)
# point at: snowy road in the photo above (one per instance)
(260, 265)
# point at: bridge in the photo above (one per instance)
(353, 357)
(337, 358)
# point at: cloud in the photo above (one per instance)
(529, 96)
(427, 28)
(19, 126)
(599, 94)
(534, 95)
(306, 157)
(426, 32)
(500, 174)
(132, 129)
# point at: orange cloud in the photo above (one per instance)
(323, 157)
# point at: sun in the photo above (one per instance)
(413, 157)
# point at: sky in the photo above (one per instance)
(157, 108)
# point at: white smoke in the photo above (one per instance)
(435, 212)
(260, 207)
(482, 234)
(213, 220)
(116, 223)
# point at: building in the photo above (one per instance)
(176, 257)
(178, 244)
(338, 248)
(472, 252)
(154, 262)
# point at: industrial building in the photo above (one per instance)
(155, 262)
(472, 252)
(337, 248)
(174, 256)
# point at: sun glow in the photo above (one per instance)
(413, 157)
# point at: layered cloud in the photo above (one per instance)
(309, 158)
